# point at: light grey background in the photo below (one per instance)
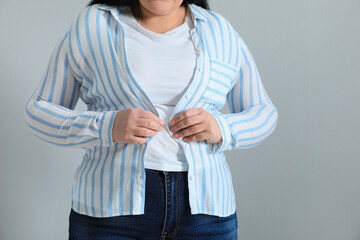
(302, 183)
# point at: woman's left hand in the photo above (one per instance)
(196, 124)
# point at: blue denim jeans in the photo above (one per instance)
(167, 216)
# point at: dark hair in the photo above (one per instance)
(201, 3)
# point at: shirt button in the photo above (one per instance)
(186, 145)
(200, 69)
(187, 96)
(140, 177)
(191, 178)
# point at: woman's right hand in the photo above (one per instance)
(135, 125)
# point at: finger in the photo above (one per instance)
(187, 122)
(143, 132)
(185, 114)
(137, 140)
(148, 123)
(146, 114)
(196, 137)
(191, 130)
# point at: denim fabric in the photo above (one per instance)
(167, 216)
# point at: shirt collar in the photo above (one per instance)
(195, 11)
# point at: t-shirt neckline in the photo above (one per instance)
(169, 32)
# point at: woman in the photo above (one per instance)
(153, 75)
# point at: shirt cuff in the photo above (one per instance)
(225, 143)
(107, 123)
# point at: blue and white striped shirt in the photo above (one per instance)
(90, 62)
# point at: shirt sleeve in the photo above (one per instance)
(253, 116)
(50, 114)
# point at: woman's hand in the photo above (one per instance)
(196, 124)
(135, 125)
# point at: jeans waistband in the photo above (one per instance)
(162, 172)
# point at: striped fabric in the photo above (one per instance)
(89, 62)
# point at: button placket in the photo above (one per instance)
(190, 91)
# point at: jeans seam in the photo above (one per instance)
(165, 217)
(179, 203)
(177, 206)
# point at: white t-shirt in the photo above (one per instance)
(163, 65)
